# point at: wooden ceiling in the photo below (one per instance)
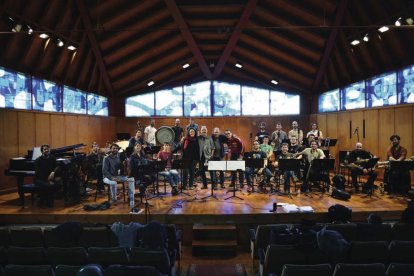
(122, 44)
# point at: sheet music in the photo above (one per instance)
(236, 165)
(36, 153)
(217, 165)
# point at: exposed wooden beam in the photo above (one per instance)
(94, 45)
(182, 25)
(231, 44)
(330, 44)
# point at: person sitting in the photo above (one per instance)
(111, 170)
(355, 160)
(285, 154)
(171, 175)
(93, 166)
(46, 171)
(256, 153)
(310, 154)
(136, 166)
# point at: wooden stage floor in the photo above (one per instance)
(185, 210)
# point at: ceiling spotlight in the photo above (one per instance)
(239, 65)
(383, 29)
(355, 42)
(71, 48)
(366, 37)
(275, 82)
(59, 42)
(150, 83)
(17, 28)
(29, 30)
(398, 22)
(43, 35)
(409, 21)
(186, 65)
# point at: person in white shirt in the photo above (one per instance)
(149, 133)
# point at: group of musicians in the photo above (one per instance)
(199, 147)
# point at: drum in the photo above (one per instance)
(165, 134)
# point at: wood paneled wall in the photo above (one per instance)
(23, 130)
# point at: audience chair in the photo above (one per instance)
(4, 236)
(260, 238)
(124, 270)
(90, 270)
(375, 269)
(368, 252)
(3, 255)
(26, 255)
(347, 230)
(106, 256)
(101, 236)
(174, 237)
(395, 269)
(29, 270)
(401, 252)
(402, 232)
(277, 256)
(67, 270)
(374, 232)
(67, 256)
(26, 237)
(51, 239)
(307, 270)
(156, 258)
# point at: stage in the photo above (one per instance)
(251, 209)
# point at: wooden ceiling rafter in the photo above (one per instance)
(188, 37)
(95, 47)
(330, 44)
(231, 44)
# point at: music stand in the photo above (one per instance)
(289, 165)
(400, 167)
(235, 165)
(254, 164)
(215, 166)
(157, 166)
(323, 166)
(152, 149)
(181, 164)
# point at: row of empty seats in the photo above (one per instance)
(78, 256)
(260, 237)
(343, 269)
(276, 256)
(66, 270)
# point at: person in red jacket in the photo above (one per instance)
(235, 147)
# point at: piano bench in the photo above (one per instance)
(29, 188)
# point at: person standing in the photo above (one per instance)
(396, 180)
(219, 141)
(316, 132)
(149, 133)
(191, 151)
(278, 136)
(206, 146)
(235, 146)
(295, 131)
(262, 133)
(136, 139)
(191, 125)
(111, 170)
(178, 135)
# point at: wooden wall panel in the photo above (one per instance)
(42, 129)
(84, 132)
(371, 131)
(404, 127)
(345, 143)
(9, 145)
(25, 131)
(71, 128)
(331, 131)
(321, 120)
(57, 130)
(357, 118)
(95, 128)
(385, 130)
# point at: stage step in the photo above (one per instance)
(214, 240)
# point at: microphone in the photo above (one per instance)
(356, 130)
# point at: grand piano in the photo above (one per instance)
(21, 167)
